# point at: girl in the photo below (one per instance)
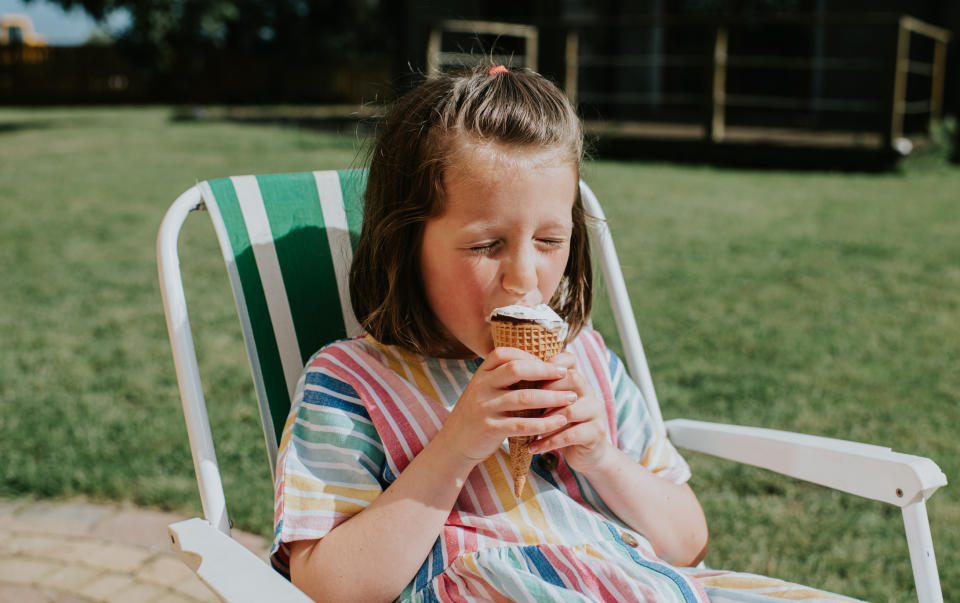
(393, 477)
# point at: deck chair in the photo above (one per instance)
(287, 241)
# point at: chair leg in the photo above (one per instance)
(922, 558)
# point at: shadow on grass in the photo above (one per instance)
(746, 155)
(330, 120)
(19, 126)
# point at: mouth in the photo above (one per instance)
(488, 311)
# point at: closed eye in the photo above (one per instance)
(486, 248)
(552, 242)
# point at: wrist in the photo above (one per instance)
(608, 463)
(448, 458)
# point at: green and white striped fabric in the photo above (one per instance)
(287, 240)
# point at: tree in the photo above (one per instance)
(163, 30)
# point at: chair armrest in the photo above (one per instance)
(863, 469)
(227, 568)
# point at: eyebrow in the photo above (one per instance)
(488, 227)
(561, 223)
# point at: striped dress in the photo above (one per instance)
(363, 410)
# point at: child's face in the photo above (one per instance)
(503, 238)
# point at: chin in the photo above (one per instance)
(480, 351)
(462, 351)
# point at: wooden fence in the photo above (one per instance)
(862, 81)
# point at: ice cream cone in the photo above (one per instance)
(542, 343)
(527, 336)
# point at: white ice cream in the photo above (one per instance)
(543, 315)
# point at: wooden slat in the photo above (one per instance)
(719, 88)
(900, 82)
(931, 31)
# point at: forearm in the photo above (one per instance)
(394, 534)
(667, 514)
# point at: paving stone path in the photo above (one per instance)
(77, 551)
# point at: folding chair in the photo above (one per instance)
(287, 241)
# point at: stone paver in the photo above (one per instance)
(140, 527)
(195, 590)
(26, 594)
(8, 510)
(70, 578)
(164, 570)
(32, 545)
(107, 586)
(174, 598)
(24, 571)
(83, 552)
(56, 518)
(139, 593)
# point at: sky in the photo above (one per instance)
(61, 28)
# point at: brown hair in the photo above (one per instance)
(412, 149)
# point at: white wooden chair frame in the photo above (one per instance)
(235, 574)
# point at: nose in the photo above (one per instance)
(520, 272)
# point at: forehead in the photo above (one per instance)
(465, 151)
(507, 184)
(483, 170)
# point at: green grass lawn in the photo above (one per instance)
(824, 303)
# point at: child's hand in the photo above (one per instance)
(585, 440)
(482, 417)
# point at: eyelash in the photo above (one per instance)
(491, 247)
(485, 249)
(553, 242)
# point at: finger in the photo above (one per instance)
(503, 355)
(533, 426)
(549, 434)
(525, 399)
(574, 412)
(563, 384)
(584, 408)
(575, 381)
(583, 434)
(564, 359)
(526, 369)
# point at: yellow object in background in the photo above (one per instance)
(17, 32)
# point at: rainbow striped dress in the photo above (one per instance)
(364, 410)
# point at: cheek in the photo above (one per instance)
(553, 274)
(458, 288)
(475, 279)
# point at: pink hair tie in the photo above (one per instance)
(497, 69)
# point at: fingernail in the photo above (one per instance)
(571, 397)
(562, 371)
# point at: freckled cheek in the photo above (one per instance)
(460, 288)
(551, 277)
(478, 285)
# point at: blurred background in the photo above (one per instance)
(688, 79)
(780, 177)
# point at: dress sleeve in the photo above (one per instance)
(330, 462)
(637, 434)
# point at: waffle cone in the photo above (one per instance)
(544, 344)
(529, 337)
